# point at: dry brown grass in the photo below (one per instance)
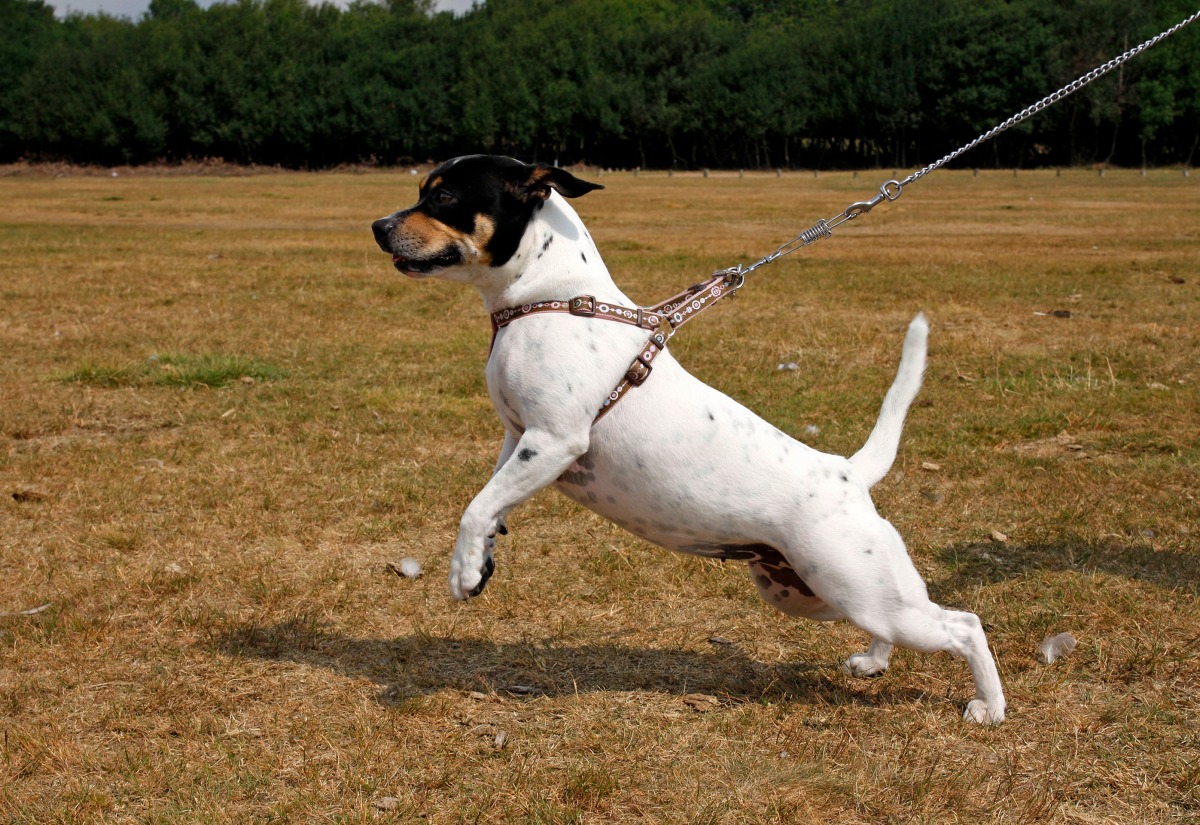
(222, 415)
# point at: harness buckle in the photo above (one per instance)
(583, 305)
(638, 372)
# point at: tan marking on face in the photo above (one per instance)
(485, 228)
(420, 235)
(423, 236)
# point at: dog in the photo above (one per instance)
(676, 462)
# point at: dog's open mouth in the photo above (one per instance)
(422, 267)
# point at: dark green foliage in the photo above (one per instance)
(660, 83)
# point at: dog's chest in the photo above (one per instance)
(547, 370)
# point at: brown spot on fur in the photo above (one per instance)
(775, 569)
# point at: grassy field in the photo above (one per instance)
(223, 416)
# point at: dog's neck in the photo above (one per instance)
(555, 260)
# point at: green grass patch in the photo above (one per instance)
(100, 375)
(176, 370)
(210, 370)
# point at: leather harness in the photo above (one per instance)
(662, 320)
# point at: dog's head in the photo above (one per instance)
(471, 210)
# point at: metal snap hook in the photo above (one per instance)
(863, 207)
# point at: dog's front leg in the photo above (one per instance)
(489, 549)
(534, 462)
(506, 451)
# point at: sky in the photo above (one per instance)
(134, 9)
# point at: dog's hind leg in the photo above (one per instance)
(887, 598)
(927, 627)
(930, 628)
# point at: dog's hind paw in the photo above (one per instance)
(863, 666)
(982, 713)
(871, 663)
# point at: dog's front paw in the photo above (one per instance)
(467, 580)
(982, 713)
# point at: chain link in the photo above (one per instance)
(892, 189)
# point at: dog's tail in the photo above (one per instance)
(876, 456)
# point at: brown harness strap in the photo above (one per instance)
(663, 319)
(584, 306)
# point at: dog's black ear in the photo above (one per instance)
(537, 180)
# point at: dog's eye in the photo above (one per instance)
(443, 198)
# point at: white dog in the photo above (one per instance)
(675, 462)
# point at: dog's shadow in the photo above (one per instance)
(423, 664)
(970, 564)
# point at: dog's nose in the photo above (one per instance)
(382, 228)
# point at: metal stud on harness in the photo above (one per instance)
(666, 317)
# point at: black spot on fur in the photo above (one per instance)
(526, 454)
(583, 257)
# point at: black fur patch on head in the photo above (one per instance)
(503, 191)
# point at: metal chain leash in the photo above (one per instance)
(892, 189)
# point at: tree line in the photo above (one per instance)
(616, 83)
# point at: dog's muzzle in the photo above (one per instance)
(416, 266)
